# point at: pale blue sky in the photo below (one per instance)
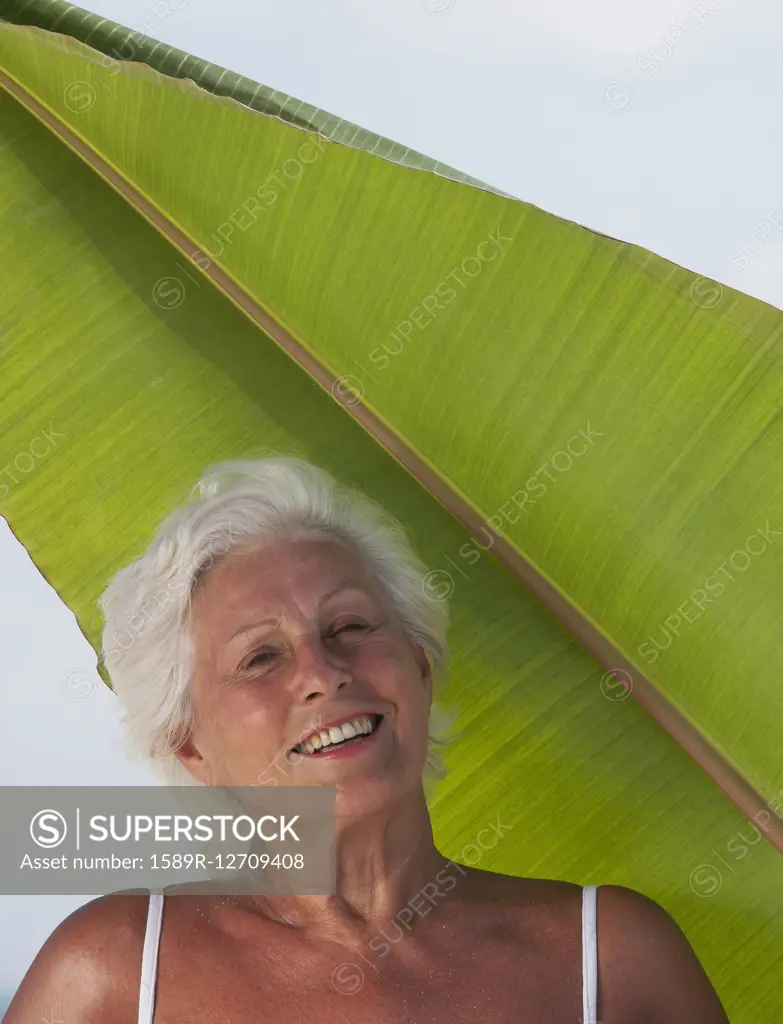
(654, 121)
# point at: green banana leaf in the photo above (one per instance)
(583, 439)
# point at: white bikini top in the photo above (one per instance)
(149, 957)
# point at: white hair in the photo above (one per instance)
(147, 641)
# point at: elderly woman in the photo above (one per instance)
(294, 644)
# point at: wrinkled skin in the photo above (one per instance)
(331, 651)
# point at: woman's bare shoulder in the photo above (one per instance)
(89, 968)
(645, 961)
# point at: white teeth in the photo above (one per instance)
(362, 725)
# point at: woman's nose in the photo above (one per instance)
(321, 672)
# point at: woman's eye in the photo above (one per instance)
(252, 661)
(348, 627)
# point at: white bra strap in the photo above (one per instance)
(589, 955)
(149, 958)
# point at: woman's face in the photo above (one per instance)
(289, 639)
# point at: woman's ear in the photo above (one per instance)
(424, 665)
(193, 761)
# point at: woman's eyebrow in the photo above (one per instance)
(252, 625)
(345, 585)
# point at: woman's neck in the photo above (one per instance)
(382, 864)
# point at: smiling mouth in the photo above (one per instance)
(337, 736)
